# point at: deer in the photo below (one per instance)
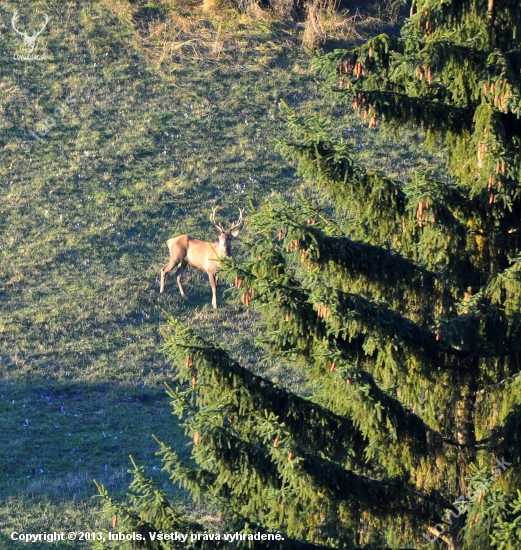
(29, 40)
(186, 250)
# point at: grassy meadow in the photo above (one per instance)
(155, 112)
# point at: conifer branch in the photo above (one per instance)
(311, 421)
(478, 445)
(497, 385)
(324, 475)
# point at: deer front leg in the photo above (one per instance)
(178, 274)
(163, 276)
(213, 284)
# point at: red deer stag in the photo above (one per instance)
(185, 250)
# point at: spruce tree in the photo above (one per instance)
(400, 303)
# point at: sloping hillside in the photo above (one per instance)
(113, 138)
(104, 155)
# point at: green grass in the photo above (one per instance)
(150, 144)
(62, 436)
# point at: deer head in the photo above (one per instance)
(29, 40)
(225, 237)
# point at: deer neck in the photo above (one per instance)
(221, 250)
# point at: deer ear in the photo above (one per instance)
(235, 232)
(217, 232)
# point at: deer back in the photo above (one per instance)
(199, 254)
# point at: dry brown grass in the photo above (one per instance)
(223, 32)
(212, 6)
(210, 32)
(324, 21)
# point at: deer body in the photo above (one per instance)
(185, 251)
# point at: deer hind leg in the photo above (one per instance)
(178, 274)
(168, 267)
(213, 284)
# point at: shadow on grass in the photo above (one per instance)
(64, 435)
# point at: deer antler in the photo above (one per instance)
(213, 222)
(238, 223)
